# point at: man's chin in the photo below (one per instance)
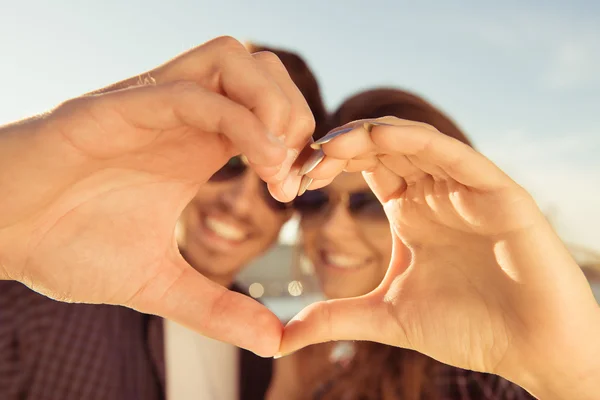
(204, 262)
(225, 280)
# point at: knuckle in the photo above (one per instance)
(72, 105)
(279, 109)
(425, 126)
(227, 43)
(269, 57)
(305, 122)
(69, 111)
(184, 88)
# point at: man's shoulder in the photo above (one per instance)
(24, 313)
(25, 309)
(255, 371)
(15, 294)
(239, 288)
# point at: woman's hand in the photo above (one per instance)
(91, 192)
(489, 287)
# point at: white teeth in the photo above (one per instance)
(224, 230)
(342, 261)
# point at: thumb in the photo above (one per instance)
(362, 318)
(183, 295)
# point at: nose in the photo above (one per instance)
(242, 194)
(338, 225)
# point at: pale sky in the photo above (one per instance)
(520, 77)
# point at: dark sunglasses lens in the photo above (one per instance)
(366, 204)
(234, 168)
(311, 202)
(276, 205)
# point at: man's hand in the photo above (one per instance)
(91, 192)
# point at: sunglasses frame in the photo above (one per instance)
(271, 202)
(343, 198)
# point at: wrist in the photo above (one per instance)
(17, 142)
(554, 350)
(4, 276)
(570, 373)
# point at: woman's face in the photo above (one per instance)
(228, 224)
(348, 240)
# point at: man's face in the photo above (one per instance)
(228, 224)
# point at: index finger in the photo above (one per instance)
(458, 160)
(283, 185)
(399, 137)
(225, 66)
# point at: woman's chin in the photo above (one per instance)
(337, 292)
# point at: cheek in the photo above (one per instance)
(380, 240)
(308, 241)
(270, 223)
(203, 200)
(187, 217)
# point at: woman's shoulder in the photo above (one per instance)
(462, 384)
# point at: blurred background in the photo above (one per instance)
(520, 77)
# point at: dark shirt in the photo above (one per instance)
(58, 351)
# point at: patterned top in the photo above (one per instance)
(461, 384)
(447, 382)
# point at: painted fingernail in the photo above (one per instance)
(330, 136)
(292, 154)
(304, 184)
(312, 161)
(369, 125)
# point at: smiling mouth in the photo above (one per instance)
(224, 230)
(343, 261)
(220, 235)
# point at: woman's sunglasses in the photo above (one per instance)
(361, 204)
(235, 168)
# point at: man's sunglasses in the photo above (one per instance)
(235, 168)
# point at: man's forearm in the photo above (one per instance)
(17, 151)
(3, 271)
(4, 148)
(7, 133)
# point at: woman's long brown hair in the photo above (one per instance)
(383, 102)
(379, 371)
(376, 371)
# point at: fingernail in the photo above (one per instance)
(291, 184)
(292, 154)
(369, 125)
(304, 184)
(312, 161)
(279, 355)
(330, 136)
(275, 139)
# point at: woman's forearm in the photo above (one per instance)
(574, 374)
